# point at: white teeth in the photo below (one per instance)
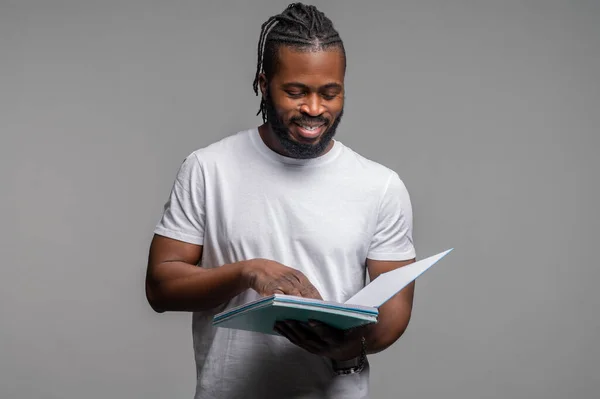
(310, 128)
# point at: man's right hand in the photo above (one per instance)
(268, 277)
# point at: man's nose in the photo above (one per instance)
(312, 106)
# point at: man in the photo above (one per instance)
(284, 208)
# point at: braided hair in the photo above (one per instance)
(300, 26)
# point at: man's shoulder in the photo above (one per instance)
(368, 168)
(230, 146)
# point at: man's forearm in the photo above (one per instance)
(179, 286)
(392, 322)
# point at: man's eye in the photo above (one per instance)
(295, 94)
(329, 96)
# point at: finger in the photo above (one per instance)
(281, 287)
(292, 333)
(277, 328)
(310, 291)
(293, 291)
(292, 283)
(309, 333)
(307, 289)
(330, 335)
(285, 330)
(298, 337)
(300, 282)
(330, 330)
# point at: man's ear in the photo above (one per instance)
(262, 83)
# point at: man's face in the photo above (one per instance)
(305, 100)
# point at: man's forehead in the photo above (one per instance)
(321, 67)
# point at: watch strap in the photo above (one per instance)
(352, 366)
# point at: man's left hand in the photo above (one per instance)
(321, 339)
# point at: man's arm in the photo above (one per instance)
(174, 282)
(394, 315)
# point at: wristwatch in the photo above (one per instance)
(351, 366)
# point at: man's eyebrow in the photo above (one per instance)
(335, 86)
(299, 85)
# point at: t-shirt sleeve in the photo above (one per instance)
(183, 213)
(393, 239)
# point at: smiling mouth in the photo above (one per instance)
(309, 132)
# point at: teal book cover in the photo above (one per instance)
(261, 315)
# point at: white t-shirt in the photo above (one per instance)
(323, 216)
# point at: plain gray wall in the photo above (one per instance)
(488, 110)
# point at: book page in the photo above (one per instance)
(386, 285)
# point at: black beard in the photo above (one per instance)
(293, 148)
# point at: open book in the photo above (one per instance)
(362, 308)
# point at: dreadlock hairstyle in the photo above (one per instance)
(300, 26)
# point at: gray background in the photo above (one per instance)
(489, 111)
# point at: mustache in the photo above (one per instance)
(309, 120)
